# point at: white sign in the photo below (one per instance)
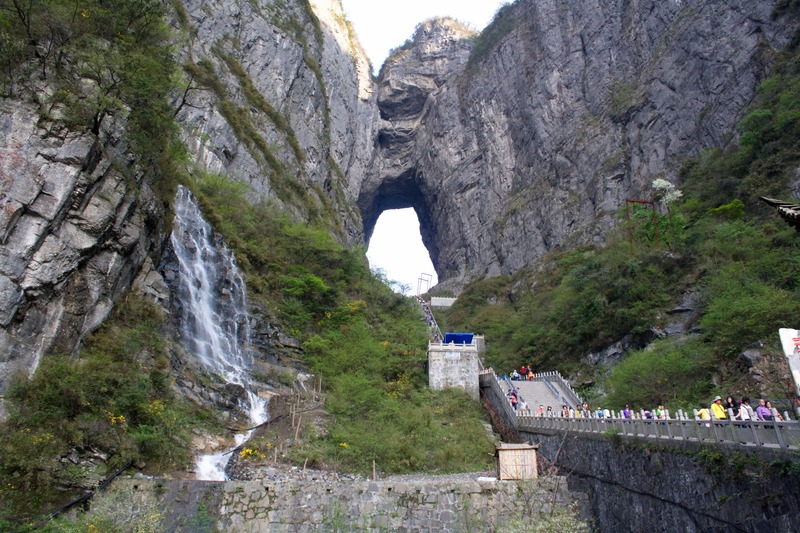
(790, 340)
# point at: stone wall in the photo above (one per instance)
(495, 395)
(456, 366)
(479, 504)
(634, 485)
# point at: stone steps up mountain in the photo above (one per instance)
(535, 393)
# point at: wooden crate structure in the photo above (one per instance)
(516, 461)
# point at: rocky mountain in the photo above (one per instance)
(77, 228)
(510, 144)
(282, 99)
(531, 137)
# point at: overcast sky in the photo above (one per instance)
(396, 246)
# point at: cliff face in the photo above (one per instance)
(531, 142)
(277, 95)
(573, 107)
(77, 226)
(282, 99)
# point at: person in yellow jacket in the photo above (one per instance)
(717, 409)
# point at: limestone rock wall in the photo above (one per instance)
(77, 224)
(531, 145)
(537, 141)
(284, 101)
(279, 95)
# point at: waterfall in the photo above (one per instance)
(211, 308)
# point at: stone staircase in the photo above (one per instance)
(535, 393)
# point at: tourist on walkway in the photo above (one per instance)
(762, 412)
(775, 413)
(745, 411)
(626, 413)
(717, 410)
(540, 410)
(731, 404)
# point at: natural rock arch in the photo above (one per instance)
(399, 192)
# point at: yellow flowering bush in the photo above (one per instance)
(251, 454)
(356, 306)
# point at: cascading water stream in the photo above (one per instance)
(212, 314)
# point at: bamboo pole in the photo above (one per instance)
(297, 432)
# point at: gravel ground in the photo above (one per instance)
(413, 478)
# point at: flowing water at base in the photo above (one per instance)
(212, 316)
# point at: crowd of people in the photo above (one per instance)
(730, 409)
(436, 334)
(525, 373)
(718, 409)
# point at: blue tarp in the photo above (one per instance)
(458, 338)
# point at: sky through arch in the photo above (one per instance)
(396, 248)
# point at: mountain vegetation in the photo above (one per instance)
(715, 237)
(366, 342)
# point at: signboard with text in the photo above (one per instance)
(790, 340)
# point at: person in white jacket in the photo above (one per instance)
(745, 411)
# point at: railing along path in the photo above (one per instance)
(783, 434)
(770, 434)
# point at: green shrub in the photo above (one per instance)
(743, 308)
(667, 372)
(115, 399)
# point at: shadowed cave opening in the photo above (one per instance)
(398, 233)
